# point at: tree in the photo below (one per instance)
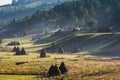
(74, 17)
(92, 22)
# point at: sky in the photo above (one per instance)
(3, 2)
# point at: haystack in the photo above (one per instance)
(43, 53)
(61, 51)
(14, 49)
(63, 68)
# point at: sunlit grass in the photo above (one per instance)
(16, 77)
(81, 66)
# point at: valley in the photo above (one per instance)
(81, 65)
(60, 40)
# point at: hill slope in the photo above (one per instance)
(21, 8)
(94, 43)
(82, 13)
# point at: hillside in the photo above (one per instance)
(21, 8)
(84, 13)
(90, 43)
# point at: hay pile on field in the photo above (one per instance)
(61, 51)
(77, 49)
(63, 68)
(14, 49)
(56, 71)
(13, 43)
(18, 51)
(43, 53)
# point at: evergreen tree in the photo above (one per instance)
(92, 22)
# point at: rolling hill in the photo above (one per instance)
(83, 13)
(21, 8)
(90, 43)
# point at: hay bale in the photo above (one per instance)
(20, 52)
(42, 53)
(23, 52)
(14, 49)
(0, 41)
(13, 43)
(57, 71)
(17, 51)
(77, 49)
(54, 71)
(51, 70)
(61, 51)
(63, 68)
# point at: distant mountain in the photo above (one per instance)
(21, 8)
(82, 13)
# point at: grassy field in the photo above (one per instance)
(80, 66)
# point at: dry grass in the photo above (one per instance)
(81, 67)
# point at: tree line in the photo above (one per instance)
(85, 13)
